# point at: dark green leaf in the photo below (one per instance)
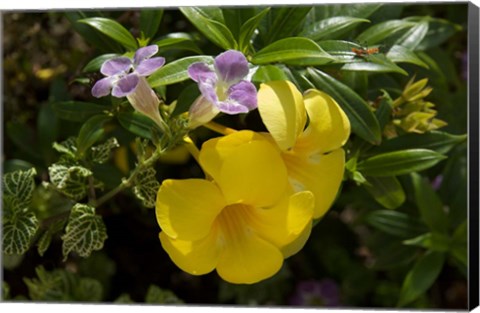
(285, 21)
(293, 51)
(91, 131)
(421, 277)
(77, 111)
(161, 296)
(331, 28)
(413, 37)
(374, 63)
(432, 241)
(399, 162)
(248, 28)
(46, 238)
(88, 290)
(268, 73)
(150, 21)
(176, 71)
(137, 124)
(85, 231)
(360, 10)
(340, 50)
(114, 30)
(13, 165)
(384, 110)
(95, 64)
(386, 190)
(177, 41)
(363, 121)
(214, 30)
(393, 255)
(23, 137)
(429, 204)
(235, 17)
(439, 30)
(459, 248)
(395, 223)
(379, 32)
(47, 129)
(440, 142)
(186, 99)
(399, 54)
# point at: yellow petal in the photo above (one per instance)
(284, 222)
(194, 257)
(328, 128)
(321, 174)
(297, 245)
(246, 258)
(282, 110)
(186, 209)
(214, 151)
(254, 174)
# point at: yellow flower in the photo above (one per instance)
(244, 221)
(313, 154)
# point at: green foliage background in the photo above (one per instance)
(395, 237)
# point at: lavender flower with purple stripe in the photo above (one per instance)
(126, 77)
(223, 88)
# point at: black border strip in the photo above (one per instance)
(473, 95)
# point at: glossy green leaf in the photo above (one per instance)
(439, 30)
(137, 124)
(421, 277)
(360, 10)
(362, 119)
(285, 21)
(186, 99)
(399, 54)
(399, 162)
(292, 51)
(214, 30)
(177, 41)
(91, 131)
(77, 111)
(379, 32)
(84, 233)
(377, 63)
(429, 204)
(395, 223)
(114, 30)
(176, 71)
(331, 28)
(268, 73)
(248, 28)
(384, 110)
(386, 190)
(413, 37)
(432, 241)
(150, 20)
(441, 142)
(95, 64)
(235, 17)
(18, 232)
(146, 187)
(340, 50)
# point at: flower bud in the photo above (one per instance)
(201, 112)
(144, 100)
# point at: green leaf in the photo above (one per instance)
(150, 22)
(266, 73)
(67, 147)
(85, 231)
(138, 124)
(70, 179)
(386, 190)
(413, 37)
(23, 137)
(114, 30)
(292, 51)
(459, 247)
(186, 99)
(361, 10)
(429, 204)
(438, 141)
(377, 63)
(101, 153)
(91, 132)
(176, 71)
(432, 241)
(5, 291)
(161, 296)
(88, 290)
(95, 64)
(248, 29)
(340, 50)
(384, 110)
(395, 223)
(146, 187)
(18, 231)
(399, 162)
(285, 22)
(392, 255)
(13, 165)
(439, 30)
(331, 28)
(421, 277)
(362, 119)
(399, 54)
(20, 185)
(379, 32)
(77, 111)
(178, 41)
(46, 238)
(47, 129)
(214, 30)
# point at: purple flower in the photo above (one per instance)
(316, 293)
(223, 88)
(119, 77)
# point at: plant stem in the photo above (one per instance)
(224, 130)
